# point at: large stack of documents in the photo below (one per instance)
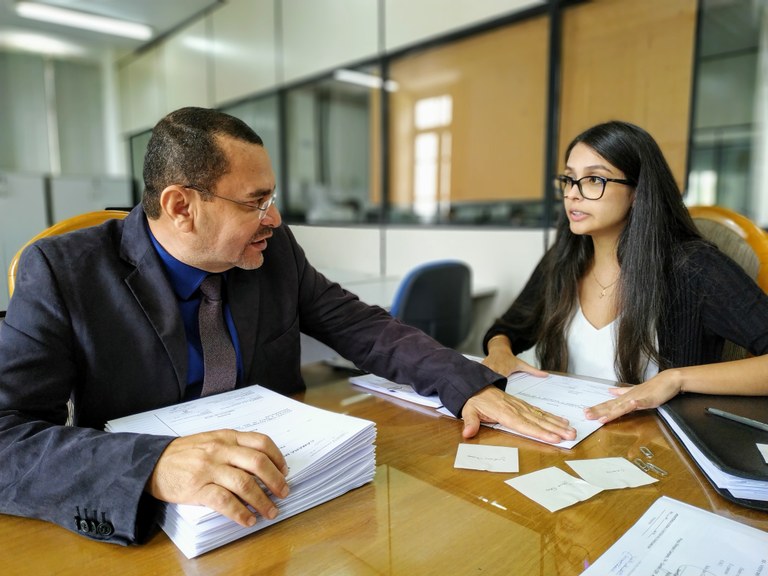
(676, 538)
(328, 454)
(727, 452)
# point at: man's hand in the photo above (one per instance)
(493, 405)
(219, 470)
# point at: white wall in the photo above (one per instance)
(142, 87)
(759, 196)
(409, 22)
(348, 248)
(501, 259)
(319, 36)
(245, 56)
(23, 118)
(185, 66)
(22, 215)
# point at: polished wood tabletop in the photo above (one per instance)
(420, 515)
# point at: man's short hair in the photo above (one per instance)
(184, 149)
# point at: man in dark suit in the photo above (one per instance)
(107, 316)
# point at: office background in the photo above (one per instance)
(401, 131)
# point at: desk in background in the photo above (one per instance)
(419, 515)
(377, 291)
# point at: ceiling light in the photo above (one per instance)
(39, 43)
(83, 20)
(363, 79)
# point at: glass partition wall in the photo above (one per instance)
(328, 143)
(458, 130)
(467, 129)
(727, 130)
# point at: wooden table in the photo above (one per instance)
(419, 516)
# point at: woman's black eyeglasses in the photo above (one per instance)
(590, 187)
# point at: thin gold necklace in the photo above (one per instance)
(603, 288)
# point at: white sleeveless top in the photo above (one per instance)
(591, 351)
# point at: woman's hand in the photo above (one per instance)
(650, 394)
(500, 358)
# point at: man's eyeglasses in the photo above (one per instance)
(590, 187)
(262, 206)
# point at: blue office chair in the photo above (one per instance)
(436, 297)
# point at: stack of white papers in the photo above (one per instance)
(676, 538)
(328, 454)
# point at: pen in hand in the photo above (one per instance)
(740, 419)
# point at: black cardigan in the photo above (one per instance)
(712, 300)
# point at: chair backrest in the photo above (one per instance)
(436, 297)
(741, 239)
(74, 223)
(736, 235)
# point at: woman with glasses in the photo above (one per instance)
(630, 291)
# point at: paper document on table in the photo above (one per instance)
(488, 458)
(676, 538)
(610, 473)
(328, 454)
(560, 395)
(553, 488)
(402, 391)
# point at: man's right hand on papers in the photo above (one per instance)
(219, 470)
(493, 405)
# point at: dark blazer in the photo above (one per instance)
(93, 317)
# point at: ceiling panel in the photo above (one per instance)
(162, 15)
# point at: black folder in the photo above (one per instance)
(728, 445)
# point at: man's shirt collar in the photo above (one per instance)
(185, 279)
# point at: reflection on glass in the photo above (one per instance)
(467, 129)
(727, 129)
(432, 163)
(329, 148)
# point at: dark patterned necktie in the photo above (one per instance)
(219, 360)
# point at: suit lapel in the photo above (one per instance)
(150, 287)
(244, 306)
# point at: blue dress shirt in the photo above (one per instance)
(185, 281)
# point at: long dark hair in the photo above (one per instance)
(657, 227)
